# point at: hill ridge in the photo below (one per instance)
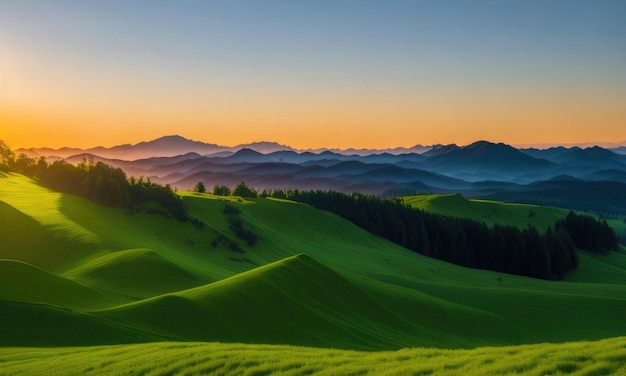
(47, 288)
(295, 300)
(129, 272)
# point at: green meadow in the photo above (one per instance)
(87, 288)
(487, 211)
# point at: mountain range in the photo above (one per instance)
(481, 169)
(168, 146)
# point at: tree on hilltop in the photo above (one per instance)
(242, 190)
(199, 187)
(7, 157)
(221, 190)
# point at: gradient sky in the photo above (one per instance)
(312, 73)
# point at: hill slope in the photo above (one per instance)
(28, 324)
(20, 281)
(297, 300)
(389, 297)
(489, 212)
(129, 272)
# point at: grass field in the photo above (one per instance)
(74, 273)
(605, 357)
(489, 212)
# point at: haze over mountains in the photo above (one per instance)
(173, 145)
(482, 169)
(168, 146)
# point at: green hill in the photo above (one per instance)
(136, 273)
(20, 281)
(29, 324)
(24, 238)
(72, 267)
(489, 212)
(299, 301)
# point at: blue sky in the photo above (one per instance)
(470, 69)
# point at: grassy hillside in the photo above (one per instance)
(605, 357)
(139, 273)
(299, 301)
(489, 212)
(20, 281)
(86, 268)
(29, 324)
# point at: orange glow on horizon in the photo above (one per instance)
(342, 131)
(47, 113)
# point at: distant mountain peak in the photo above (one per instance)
(480, 143)
(264, 147)
(172, 140)
(441, 149)
(171, 137)
(246, 152)
(484, 143)
(599, 151)
(488, 145)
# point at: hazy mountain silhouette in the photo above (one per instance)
(579, 162)
(166, 146)
(619, 150)
(550, 154)
(173, 145)
(606, 175)
(484, 160)
(417, 149)
(482, 168)
(565, 191)
(264, 147)
(440, 150)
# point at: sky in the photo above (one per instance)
(312, 73)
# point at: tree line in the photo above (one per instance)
(241, 190)
(98, 182)
(464, 241)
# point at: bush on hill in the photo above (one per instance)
(199, 187)
(274, 193)
(242, 190)
(145, 190)
(237, 227)
(221, 190)
(231, 210)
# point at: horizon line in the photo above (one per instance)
(521, 145)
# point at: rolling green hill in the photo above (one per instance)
(136, 273)
(24, 282)
(77, 273)
(489, 212)
(299, 301)
(32, 324)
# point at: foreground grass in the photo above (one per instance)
(173, 358)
